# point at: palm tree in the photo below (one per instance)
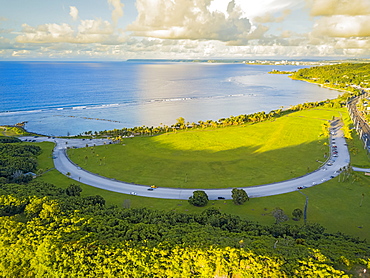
(180, 122)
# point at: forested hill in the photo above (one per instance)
(337, 76)
(16, 160)
(52, 232)
(48, 231)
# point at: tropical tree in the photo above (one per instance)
(297, 214)
(199, 198)
(279, 215)
(239, 196)
(73, 190)
(180, 122)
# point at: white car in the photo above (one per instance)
(133, 193)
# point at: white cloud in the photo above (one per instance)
(268, 17)
(190, 19)
(73, 12)
(252, 8)
(95, 27)
(45, 33)
(341, 18)
(6, 43)
(193, 49)
(201, 29)
(20, 53)
(343, 26)
(235, 22)
(339, 7)
(117, 10)
(89, 31)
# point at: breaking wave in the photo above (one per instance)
(117, 105)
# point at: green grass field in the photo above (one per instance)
(339, 206)
(359, 157)
(237, 156)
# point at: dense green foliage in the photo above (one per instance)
(340, 76)
(73, 190)
(70, 236)
(6, 139)
(239, 196)
(17, 160)
(297, 214)
(61, 234)
(279, 215)
(199, 198)
(274, 71)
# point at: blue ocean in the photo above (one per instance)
(61, 98)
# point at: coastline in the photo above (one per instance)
(320, 85)
(24, 131)
(161, 99)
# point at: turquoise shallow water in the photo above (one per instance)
(60, 98)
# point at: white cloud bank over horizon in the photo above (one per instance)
(201, 29)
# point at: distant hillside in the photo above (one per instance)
(342, 76)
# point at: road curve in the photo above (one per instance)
(64, 165)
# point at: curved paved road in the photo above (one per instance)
(64, 165)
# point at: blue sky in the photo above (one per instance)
(170, 29)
